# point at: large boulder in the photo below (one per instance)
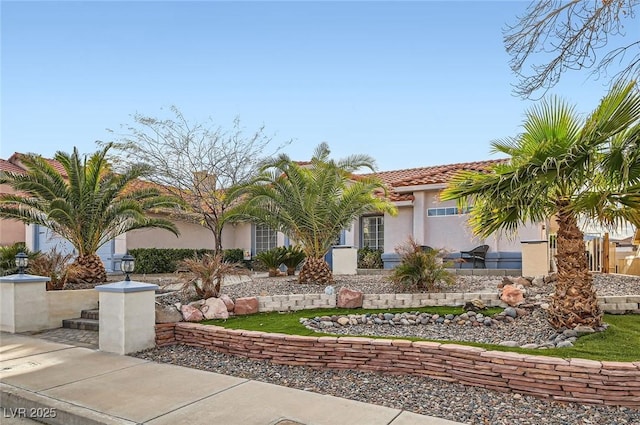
(228, 302)
(349, 298)
(214, 308)
(167, 314)
(512, 295)
(191, 313)
(248, 305)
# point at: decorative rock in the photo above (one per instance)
(343, 321)
(329, 290)
(475, 305)
(523, 281)
(508, 344)
(167, 314)
(511, 312)
(348, 298)
(228, 302)
(191, 313)
(248, 305)
(583, 330)
(529, 346)
(214, 308)
(564, 344)
(512, 295)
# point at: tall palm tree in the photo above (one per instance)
(312, 203)
(552, 164)
(87, 204)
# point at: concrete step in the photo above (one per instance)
(90, 314)
(81, 323)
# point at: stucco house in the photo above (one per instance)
(415, 191)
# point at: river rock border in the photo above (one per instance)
(569, 380)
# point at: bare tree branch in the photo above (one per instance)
(570, 36)
(194, 161)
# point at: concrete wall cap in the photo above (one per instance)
(23, 278)
(127, 286)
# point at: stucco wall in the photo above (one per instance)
(191, 236)
(11, 231)
(65, 304)
(397, 229)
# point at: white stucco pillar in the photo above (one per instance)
(345, 260)
(419, 212)
(23, 303)
(127, 316)
(535, 258)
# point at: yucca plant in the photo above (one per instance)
(206, 274)
(293, 256)
(272, 259)
(420, 269)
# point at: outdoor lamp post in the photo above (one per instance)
(128, 265)
(22, 261)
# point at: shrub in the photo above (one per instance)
(8, 257)
(54, 265)
(205, 274)
(369, 258)
(272, 259)
(420, 269)
(293, 256)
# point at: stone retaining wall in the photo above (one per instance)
(574, 380)
(610, 304)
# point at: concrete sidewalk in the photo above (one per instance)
(79, 385)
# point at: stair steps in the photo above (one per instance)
(88, 321)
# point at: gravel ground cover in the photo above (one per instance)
(421, 395)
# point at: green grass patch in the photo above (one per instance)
(620, 342)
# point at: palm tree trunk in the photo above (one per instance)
(574, 301)
(88, 269)
(315, 270)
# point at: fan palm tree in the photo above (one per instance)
(87, 204)
(553, 164)
(312, 203)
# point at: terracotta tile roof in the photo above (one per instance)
(431, 175)
(426, 175)
(7, 166)
(15, 160)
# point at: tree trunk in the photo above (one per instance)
(574, 301)
(88, 269)
(315, 270)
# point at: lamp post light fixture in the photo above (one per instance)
(22, 261)
(128, 265)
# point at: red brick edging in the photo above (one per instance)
(575, 380)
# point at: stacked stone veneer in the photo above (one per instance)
(575, 380)
(610, 304)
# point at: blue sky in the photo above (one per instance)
(410, 83)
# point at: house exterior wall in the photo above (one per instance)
(11, 231)
(398, 229)
(191, 236)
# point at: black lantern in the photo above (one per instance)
(22, 261)
(127, 265)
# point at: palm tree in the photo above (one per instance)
(87, 204)
(312, 203)
(552, 164)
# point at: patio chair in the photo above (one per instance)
(477, 254)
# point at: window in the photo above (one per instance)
(372, 230)
(265, 238)
(437, 212)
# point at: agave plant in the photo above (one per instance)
(205, 275)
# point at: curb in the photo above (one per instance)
(22, 403)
